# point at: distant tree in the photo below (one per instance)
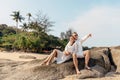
(17, 17)
(24, 26)
(8, 40)
(44, 22)
(5, 30)
(66, 35)
(36, 28)
(1, 34)
(8, 31)
(29, 17)
(62, 35)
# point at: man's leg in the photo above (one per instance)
(87, 57)
(75, 61)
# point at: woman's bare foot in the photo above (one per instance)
(42, 63)
(47, 63)
(78, 72)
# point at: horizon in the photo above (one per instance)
(99, 17)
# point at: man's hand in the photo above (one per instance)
(90, 35)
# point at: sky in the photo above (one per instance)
(101, 18)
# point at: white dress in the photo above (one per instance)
(61, 57)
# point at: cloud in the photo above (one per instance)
(102, 22)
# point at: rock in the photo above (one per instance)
(110, 74)
(99, 62)
(115, 53)
(27, 57)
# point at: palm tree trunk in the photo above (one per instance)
(16, 26)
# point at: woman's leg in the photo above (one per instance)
(87, 57)
(75, 61)
(50, 57)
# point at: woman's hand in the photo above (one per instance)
(66, 53)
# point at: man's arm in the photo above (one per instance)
(85, 38)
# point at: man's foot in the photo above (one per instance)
(88, 68)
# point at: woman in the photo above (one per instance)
(59, 55)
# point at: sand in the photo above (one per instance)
(15, 56)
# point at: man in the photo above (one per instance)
(78, 52)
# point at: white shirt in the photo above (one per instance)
(77, 46)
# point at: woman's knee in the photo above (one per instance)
(55, 50)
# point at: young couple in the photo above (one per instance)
(72, 50)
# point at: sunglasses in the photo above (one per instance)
(75, 35)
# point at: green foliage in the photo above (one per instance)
(7, 41)
(31, 41)
(32, 37)
(4, 30)
(63, 43)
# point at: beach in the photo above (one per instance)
(15, 57)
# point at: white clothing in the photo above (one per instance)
(61, 57)
(69, 48)
(77, 47)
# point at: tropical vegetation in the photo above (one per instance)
(31, 36)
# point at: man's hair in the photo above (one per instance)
(74, 33)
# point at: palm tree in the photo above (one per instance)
(17, 17)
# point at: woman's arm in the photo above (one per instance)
(66, 53)
(66, 49)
